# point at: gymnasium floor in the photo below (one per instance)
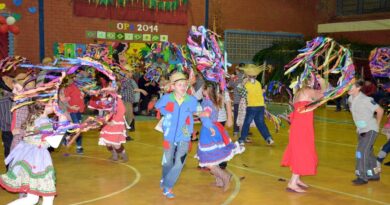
(258, 177)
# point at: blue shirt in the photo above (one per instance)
(178, 123)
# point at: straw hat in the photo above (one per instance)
(251, 69)
(177, 77)
(129, 68)
(47, 60)
(254, 70)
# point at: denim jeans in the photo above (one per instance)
(173, 162)
(76, 118)
(235, 115)
(256, 114)
(7, 141)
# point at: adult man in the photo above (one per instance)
(363, 109)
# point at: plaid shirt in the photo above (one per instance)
(21, 115)
(5, 113)
(127, 90)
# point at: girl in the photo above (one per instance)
(31, 169)
(300, 154)
(113, 134)
(215, 146)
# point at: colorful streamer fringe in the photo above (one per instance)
(207, 55)
(48, 92)
(323, 55)
(380, 62)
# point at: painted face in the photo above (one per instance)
(180, 87)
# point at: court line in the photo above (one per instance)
(236, 189)
(135, 181)
(315, 186)
(237, 181)
(278, 177)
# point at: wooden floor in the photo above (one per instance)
(258, 178)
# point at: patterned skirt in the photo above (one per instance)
(213, 150)
(30, 171)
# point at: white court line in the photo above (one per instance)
(136, 180)
(236, 190)
(237, 186)
(315, 186)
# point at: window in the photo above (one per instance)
(356, 7)
(241, 46)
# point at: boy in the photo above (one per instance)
(178, 108)
(255, 105)
(363, 109)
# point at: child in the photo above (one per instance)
(177, 108)
(362, 109)
(215, 146)
(113, 134)
(255, 105)
(31, 169)
(151, 111)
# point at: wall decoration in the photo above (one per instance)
(162, 5)
(156, 11)
(32, 10)
(2, 6)
(17, 2)
(126, 36)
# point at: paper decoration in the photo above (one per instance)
(70, 50)
(2, 6)
(80, 50)
(32, 10)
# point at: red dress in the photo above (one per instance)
(300, 154)
(115, 131)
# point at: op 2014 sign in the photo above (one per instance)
(126, 36)
(137, 27)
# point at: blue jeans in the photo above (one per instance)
(235, 115)
(256, 114)
(76, 118)
(173, 162)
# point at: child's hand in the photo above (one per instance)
(212, 131)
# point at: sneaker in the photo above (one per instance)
(242, 143)
(248, 140)
(128, 138)
(270, 141)
(359, 181)
(168, 193)
(80, 150)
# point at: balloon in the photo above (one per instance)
(10, 20)
(17, 16)
(14, 29)
(2, 6)
(2, 20)
(32, 10)
(18, 2)
(4, 28)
